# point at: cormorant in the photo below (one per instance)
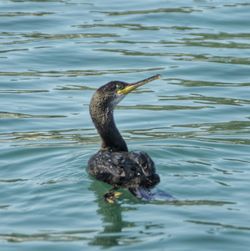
(113, 163)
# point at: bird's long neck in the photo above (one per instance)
(103, 119)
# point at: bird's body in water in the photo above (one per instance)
(113, 163)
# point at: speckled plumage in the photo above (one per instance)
(124, 169)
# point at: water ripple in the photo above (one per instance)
(7, 115)
(54, 237)
(17, 14)
(208, 100)
(75, 73)
(219, 225)
(194, 122)
(151, 11)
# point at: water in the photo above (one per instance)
(194, 122)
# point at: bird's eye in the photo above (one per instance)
(119, 87)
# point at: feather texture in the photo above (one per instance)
(124, 169)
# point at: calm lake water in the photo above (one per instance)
(194, 122)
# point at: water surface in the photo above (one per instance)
(194, 122)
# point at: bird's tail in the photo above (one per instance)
(146, 194)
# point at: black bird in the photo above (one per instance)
(113, 163)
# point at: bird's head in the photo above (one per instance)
(110, 94)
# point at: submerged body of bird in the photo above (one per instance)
(113, 163)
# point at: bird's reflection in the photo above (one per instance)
(111, 215)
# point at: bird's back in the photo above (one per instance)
(124, 169)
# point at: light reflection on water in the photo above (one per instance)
(194, 122)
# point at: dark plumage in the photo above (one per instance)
(124, 169)
(113, 163)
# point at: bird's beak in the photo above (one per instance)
(130, 87)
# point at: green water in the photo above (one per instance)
(194, 122)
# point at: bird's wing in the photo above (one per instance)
(126, 169)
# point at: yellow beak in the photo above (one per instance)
(129, 88)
